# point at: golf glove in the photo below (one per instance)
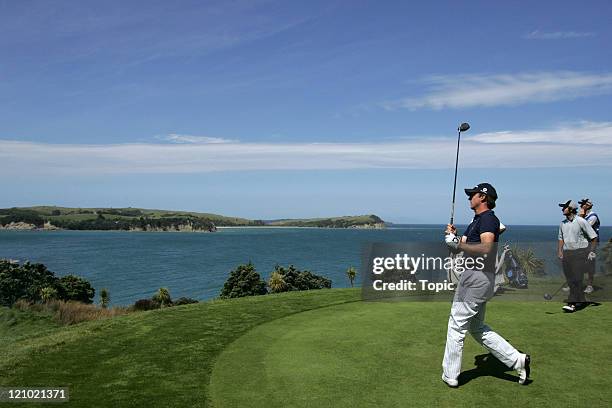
(592, 255)
(452, 241)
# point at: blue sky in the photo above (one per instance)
(302, 109)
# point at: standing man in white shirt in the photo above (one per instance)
(576, 248)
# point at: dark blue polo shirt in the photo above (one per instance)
(483, 222)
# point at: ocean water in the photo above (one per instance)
(133, 265)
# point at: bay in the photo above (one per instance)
(133, 265)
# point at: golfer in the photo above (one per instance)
(474, 289)
(586, 212)
(575, 253)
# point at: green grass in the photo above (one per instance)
(389, 354)
(16, 325)
(160, 358)
(319, 348)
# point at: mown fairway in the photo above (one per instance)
(320, 348)
(389, 354)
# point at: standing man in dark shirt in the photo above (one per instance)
(474, 289)
(586, 212)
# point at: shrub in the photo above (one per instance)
(243, 281)
(70, 312)
(73, 287)
(21, 304)
(301, 280)
(76, 312)
(184, 301)
(146, 304)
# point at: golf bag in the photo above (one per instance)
(517, 278)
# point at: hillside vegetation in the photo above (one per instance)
(139, 219)
(334, 222)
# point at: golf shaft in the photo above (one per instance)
(557, 291)
(452, 217)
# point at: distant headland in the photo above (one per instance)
(140, 219)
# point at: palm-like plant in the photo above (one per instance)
(48, 293)
(104, 298)
(163, 297)
(277, 283)
(351, 273)
(532, 265)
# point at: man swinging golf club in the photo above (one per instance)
(475, 288)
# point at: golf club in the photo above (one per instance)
(548, 296)
(462, 128)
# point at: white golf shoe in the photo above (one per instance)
(451, 383)
(569, 308)
(588, 289)
(523, 368)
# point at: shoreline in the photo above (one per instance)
(196, 232)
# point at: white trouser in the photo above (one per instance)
(469, 316)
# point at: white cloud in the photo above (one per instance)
(466, 91)
(597, 133)
(556, 35)
(582, 144)
(178, 138)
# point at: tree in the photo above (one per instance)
(163, 297)
(243, 281)
(24, 281)
(351, 273)
(73, 287)
(277, 283)
(104, 298)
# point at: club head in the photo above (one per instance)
(463, 127)
(547, 296)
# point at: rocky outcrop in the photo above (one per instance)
(186, 227)
(50, 227)
(24, 226)
(19, 226)
(377, 225)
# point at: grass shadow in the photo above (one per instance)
(488, 365)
